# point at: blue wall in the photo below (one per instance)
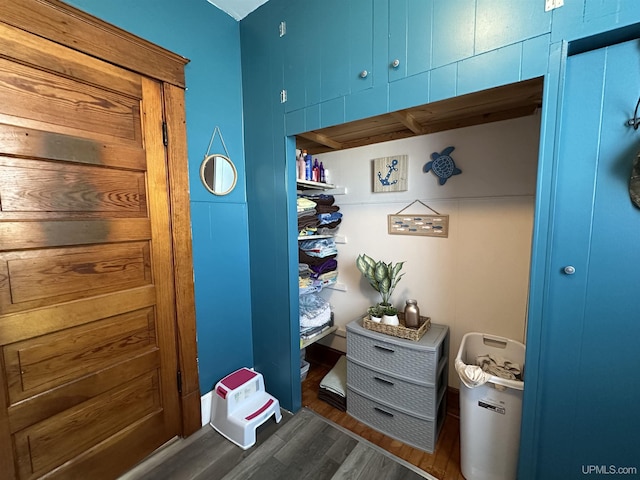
(210, 39)
(446, 48)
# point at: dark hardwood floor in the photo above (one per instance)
(443, 463)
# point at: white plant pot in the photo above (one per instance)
(375, 319)
(390, 320)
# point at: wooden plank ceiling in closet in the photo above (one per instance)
(501, 103)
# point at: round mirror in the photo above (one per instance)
(218, 174)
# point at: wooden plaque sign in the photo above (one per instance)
(420, 225)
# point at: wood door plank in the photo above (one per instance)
(48, 99)
(24, 235)
(39, 407)
(161, 248)
(60, 187)
(183, 257)
(57, 439)
(43, 274)
(27, 142)
(32, 323)
(49, 361)
(78, 30)
(33, 50)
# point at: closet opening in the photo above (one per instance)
(476, 279)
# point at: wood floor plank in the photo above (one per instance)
(357, 460)
(304, 447)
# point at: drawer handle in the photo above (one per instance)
(384, 349)
(384, 412)
(382, 380)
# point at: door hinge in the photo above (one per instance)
(165, 134)
(282, 29)
(283, 96)
(179, 378)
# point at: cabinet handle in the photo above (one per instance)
(363, 74)
(383, 380)
(384, 412)
(395, 63)
(384, 349)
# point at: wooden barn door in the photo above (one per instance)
(87, 310)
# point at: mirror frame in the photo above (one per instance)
(233, 168)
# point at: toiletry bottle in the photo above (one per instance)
(308, 167)
(322, 177)
(300, 165)
(316, 171)
(327, 178)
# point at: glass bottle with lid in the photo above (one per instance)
(411, 314)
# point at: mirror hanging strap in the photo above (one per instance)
(213, 135)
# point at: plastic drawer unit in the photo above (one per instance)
(398, 386)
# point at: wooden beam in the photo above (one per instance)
(408, 121)
(322, 140)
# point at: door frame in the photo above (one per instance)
(75, 29)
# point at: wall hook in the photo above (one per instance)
(635, 121)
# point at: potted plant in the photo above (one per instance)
(383, 277)
(390, 316)
(375, 313)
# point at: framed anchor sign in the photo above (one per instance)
(390, 174)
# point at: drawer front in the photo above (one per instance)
(419, 399)
(417, 432)
(394, 359)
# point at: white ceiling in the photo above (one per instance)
(238, 9)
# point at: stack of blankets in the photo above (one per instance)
(317, 261)
(315, 315)
(333, 387)
(317, 215)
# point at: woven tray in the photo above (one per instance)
(401, 330)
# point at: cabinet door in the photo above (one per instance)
(360, 38)
(590, 327)
(410, 31)
(328, 45)
(302, 69)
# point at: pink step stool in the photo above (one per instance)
(240, 405)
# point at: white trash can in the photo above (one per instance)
(490, 413)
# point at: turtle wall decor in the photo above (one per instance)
(442, 165)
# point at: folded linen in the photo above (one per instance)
(333, 399)
(336, 380)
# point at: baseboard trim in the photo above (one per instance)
(205, 407)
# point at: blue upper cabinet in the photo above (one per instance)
(410, 25)
(301, 67)
(591, 17)
(453, 31)
(360, 37)
(505, 22)
(328, 50)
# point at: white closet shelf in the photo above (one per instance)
(314, 185)
(308, 341)
(327, 188)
